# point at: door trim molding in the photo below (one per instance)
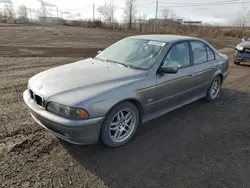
(172, 96)
(165, 111)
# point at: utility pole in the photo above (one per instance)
(93, 12)
(30, 15)
(57, 12)
(156, 14)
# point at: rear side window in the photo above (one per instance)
(199, 52)
(210, 54)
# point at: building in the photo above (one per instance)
(50, 21)
(165, 22)
(192, 22)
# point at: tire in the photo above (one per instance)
(212, 95)
(236, 61)
(109, 135)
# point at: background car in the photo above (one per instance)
(242, 51)
(133, 81)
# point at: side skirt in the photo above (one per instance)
(163, 112)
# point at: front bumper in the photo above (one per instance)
(74, 131)
(241, 56)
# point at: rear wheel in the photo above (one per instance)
(120, 125)
(214, 89)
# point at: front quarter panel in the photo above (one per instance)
(100, 105)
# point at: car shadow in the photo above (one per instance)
(245, 64)
(187, 147)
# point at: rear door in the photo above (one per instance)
(203, 60)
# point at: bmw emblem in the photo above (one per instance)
(39, 87)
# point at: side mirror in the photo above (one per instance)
(99, 51)
(242, 40)
(169, 70)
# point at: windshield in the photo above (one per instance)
(134, 53)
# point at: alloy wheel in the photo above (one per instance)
(215, 88)
(122, 125)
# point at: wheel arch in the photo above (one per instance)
(218, 73)
(221, 77)
(135, 102)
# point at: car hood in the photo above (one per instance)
(82, 79)
(245, 44)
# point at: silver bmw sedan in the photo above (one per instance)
(133, 81)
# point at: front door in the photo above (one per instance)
(174, 89)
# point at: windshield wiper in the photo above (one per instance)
(124, 64)
(98, 58)
(110, 61)
(120, 63)
(117, 62)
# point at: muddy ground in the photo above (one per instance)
(200, 145)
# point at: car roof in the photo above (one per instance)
(163, 38)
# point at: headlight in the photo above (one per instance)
(66, 111)
(238, 47)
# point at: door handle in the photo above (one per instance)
(214, 67)
(190, 74)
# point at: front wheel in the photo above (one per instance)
(120, 125)
(236, 62)
(214, 90)
(236, 55)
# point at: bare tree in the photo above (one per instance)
(9, 11)
(243, 19)
(169, 17)
(5, 15)
(168, 14)
(144, 16)
(130, 11)
(22, 12)
(107, 11)
(43, 9)
(165, 13)
(142, 20)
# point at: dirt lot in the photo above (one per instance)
(200, 145)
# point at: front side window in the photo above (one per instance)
(135, 53)
(178, 55)
(199, 52)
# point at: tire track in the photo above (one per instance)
(18, 51)
(6, 62)
(24, 75)
(18, 88)
(47, 65)
(11, 100)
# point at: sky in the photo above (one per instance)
(214, 11)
